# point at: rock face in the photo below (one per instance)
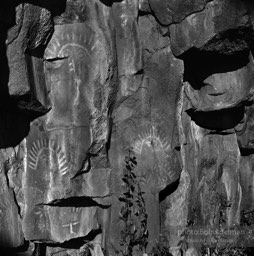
(169, 12)
(89, 87)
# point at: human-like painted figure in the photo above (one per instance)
(68, 60)
(75, 67)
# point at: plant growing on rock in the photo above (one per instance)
(133, 211)
(160, 251)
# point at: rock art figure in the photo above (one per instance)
(67, 60)
(152, 150)
(85, 81)
(75, 67)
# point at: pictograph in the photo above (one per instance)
(72, 45)
(72, 220)
(45, 149)
(151, 139)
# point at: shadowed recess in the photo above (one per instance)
(85, 167)
(76, 201)
(200, 65)
(168, 190)
(109, 3)
(14, 251)
(76, 243)
(15, 124)
(218, 120)
(246, 151)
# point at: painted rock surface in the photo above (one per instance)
(86, 82)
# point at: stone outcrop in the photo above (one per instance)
(86, 83)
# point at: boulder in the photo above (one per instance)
(223, 27)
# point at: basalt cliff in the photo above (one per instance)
(126, 127)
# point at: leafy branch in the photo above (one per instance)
(133, 211)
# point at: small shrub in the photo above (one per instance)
(133, 211)
(160, 251)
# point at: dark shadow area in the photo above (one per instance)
(76, 243)
(85, 166)
(77, 201)
(14, 251)
(16, 113)
(7, 17)
(168, 190)
(246, 151)
(143, 13)
(39, 250)
(249, 251)
(221, 132)
(200, 65)
(109, 3)
(15, 124)
(7, 20)
(110, 127)
(218, 120)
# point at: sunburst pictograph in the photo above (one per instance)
(42, 221)
(67, 42)
(152, 139)
(44, 149)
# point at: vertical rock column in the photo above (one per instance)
(218, 79)
(144, 116)
(66, 159)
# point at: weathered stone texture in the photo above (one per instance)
(141, 123)
(85, 82)
(11, 234)
(77, 66)
(223, 26)
(32, 31)
(168, 12)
